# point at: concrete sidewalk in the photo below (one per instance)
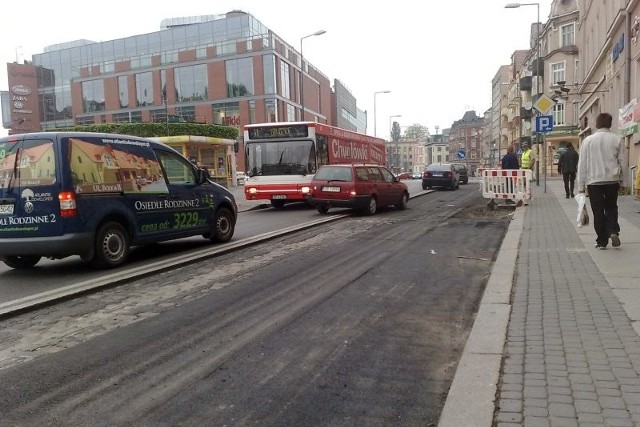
(556, 338)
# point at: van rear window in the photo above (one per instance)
(29, 163)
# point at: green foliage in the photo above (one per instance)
(395, 132)
(416, 131)
(156, 129)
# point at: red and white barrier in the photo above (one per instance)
(507, 184)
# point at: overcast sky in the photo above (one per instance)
(436, 57)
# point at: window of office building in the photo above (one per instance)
(291, 113)
(285, 89)
(557, 73)
(144, 89)
(93, 96)
(558, 114)
(269, 66)
(191, 83)
(252, 111)
(271, 110)
(239, 77)
(188, 114)
(567, 35)
(227, 113)
(123, 90)
(158, 115)
(55, 104)
(128, 117)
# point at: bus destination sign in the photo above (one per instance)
(282, 131)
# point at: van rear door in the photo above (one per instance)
(29, 188)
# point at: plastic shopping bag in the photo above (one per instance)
(583, 216)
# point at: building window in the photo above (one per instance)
(144, 89)
(252, 111)
(271, 110)
(291, 113)
(558, 114)
(567, 35)
(191, 83)
(128, 117)
(239, 77)
(123, 89)
(187, 114)
(269, 65)
(93, 96)
(285, 89)
(557, 73)
(227, 114)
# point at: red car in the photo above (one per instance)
(361, 187)
(404, 175)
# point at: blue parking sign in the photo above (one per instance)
(544, 123)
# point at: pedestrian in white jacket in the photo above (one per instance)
(600, 174)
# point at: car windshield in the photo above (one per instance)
(328, 173)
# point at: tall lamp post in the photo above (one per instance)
(317, 33)
(537, 69)
(375, 130)
(391, 140)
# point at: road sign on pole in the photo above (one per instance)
(544, 123)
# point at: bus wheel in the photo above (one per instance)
(21, 262)
(111, 246)
(223, 226)
(277, 204)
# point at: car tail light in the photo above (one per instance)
(68, 208)
(427, 174)
(447, 174)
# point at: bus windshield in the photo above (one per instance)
(280, 158)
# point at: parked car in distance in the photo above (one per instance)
(404, 175)
(416, 176)
(362, 187)
(441, 175)
(461, 168)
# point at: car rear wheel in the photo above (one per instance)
(402, 205)
(111, 246)
(372, 206)
(223, 226)
(21, 262)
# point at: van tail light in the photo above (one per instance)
(68, 208)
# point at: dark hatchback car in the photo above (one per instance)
(441, 175)
(463, 173)
(361, 187)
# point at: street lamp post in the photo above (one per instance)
(375, 130)
(391, 140)
(317, 33)
(537, 69)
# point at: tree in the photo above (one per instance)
(416, 131)
(395, 132)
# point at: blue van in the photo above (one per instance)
(98, 195)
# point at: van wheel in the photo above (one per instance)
(323, 209)
(21, 262)
(111, 246)
(372, 207)
(402, 205)
(223, 226)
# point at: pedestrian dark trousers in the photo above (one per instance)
(604, 205)
(569, 180)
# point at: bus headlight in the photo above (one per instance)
(304, 190)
